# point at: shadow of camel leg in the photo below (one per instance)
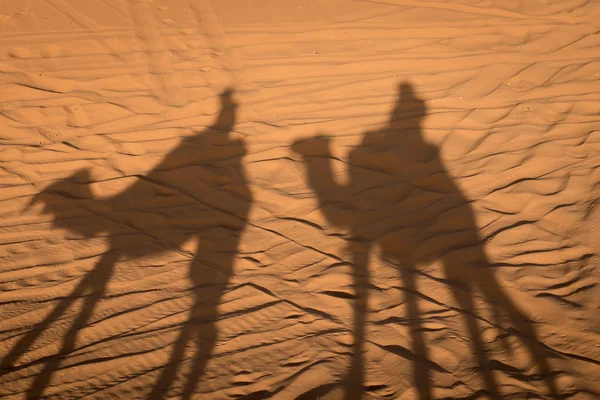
(199, 330)
(460, 275)
(479, 274)
(355, 376)
(25, 343)
(97, 281)
(210, 280)
(522, 327)
(169, 373)
(421, 373)
(206, 340)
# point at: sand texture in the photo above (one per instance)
(284, 199)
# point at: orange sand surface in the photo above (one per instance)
(285, 199)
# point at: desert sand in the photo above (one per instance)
(270, 199)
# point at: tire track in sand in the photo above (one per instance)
(164, 81)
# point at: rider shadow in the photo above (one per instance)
(199, 190)
(400, 197)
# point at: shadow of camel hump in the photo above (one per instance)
(199, 190)
(400, 197)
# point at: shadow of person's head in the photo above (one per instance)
(410, 109)
(227, 116)
(403, 135)
(227, 99)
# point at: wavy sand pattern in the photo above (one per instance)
(342, 199)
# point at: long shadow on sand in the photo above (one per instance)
(399, 196)
(198, 190)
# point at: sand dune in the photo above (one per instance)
(388, 199)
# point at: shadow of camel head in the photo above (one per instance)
(62, 200)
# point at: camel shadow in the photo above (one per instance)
(199, 190)
(400, 197)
